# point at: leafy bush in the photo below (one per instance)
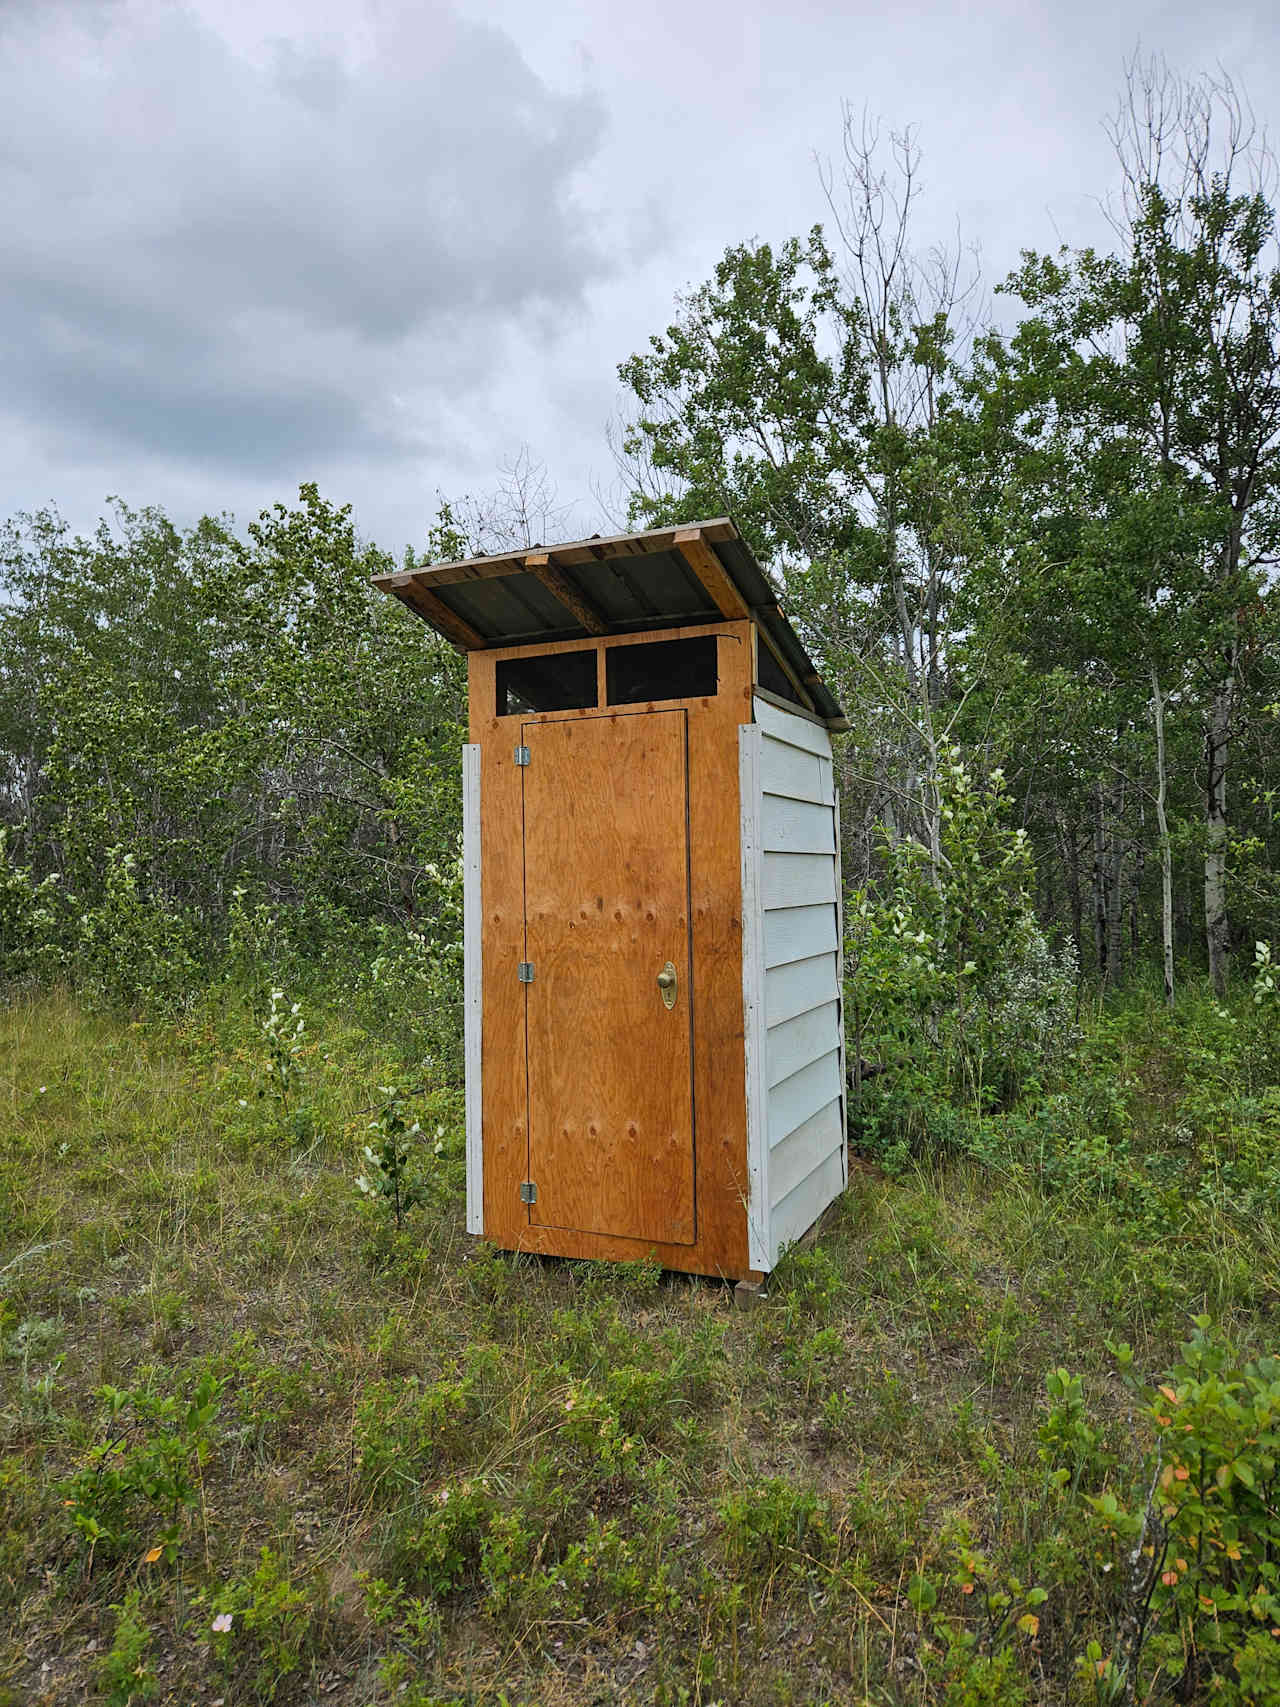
(410, 984)
(125, 1672)
(131, 951)
(395, 1176)
(1195, 1539)
(767, 1524)
(953, 989)
(263, 1624)
(135, 1485)
(29, 918)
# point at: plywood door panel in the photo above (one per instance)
(606, 881)
(716, 887)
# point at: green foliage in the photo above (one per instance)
(1216, 1501)
(395, 1176)
(283, 1029)
(975, 1657)
(124, 1670)
(263, 1625)
(29, 1344)
(755, 401)
(130, 951)
(536, 1470)
(439, 1543)
(1191, 1533)
(29, 917)
(772, 1523)
(955, 956)
(139, 1481)
(1266, 991)
(407, 1431)
(138, 664)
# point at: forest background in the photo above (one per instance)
(1036, 564)
(1044, 556)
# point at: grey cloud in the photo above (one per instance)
(241, 259)
(381, 244)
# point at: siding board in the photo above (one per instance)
(799, 1152)
(801, 1207)
(797, 826)
(799, 986)
(793, 874)
(792, 775)
(780, 725)
(798, 933)
(793, 1101)
(795, 1042)
(798, 880)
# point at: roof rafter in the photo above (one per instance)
(558, 584)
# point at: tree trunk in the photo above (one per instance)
(1166, 852)
(1100, 885)
(1216, 923)
(1070, 846)
(1115, 885)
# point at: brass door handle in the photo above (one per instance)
(667, 984)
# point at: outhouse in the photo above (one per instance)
(654, 1034)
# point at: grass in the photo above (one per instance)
(347, 1463)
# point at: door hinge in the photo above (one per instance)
(524, 972)
(522, 755)
(528, 1191)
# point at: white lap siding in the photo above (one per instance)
(791, 978)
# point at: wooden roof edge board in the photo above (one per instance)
(732, 588)
(711, 573)
(456, 629)
(574, 551)
(562, 589)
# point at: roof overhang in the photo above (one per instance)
(630, 583)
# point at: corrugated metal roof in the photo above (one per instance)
(630, 583)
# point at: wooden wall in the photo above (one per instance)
(721, 1180)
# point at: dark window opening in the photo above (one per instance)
(553, 681)
(772, 676)
(663, 669)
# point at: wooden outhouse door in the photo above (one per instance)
(608, 1004)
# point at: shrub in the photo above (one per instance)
(131, 951)
(29, 918)
(1195, 1543)
(136, 1484)
(950, 956)
(765, 1525)
(394, 1175)
(124, 1671)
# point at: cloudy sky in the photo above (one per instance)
(386, 244)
